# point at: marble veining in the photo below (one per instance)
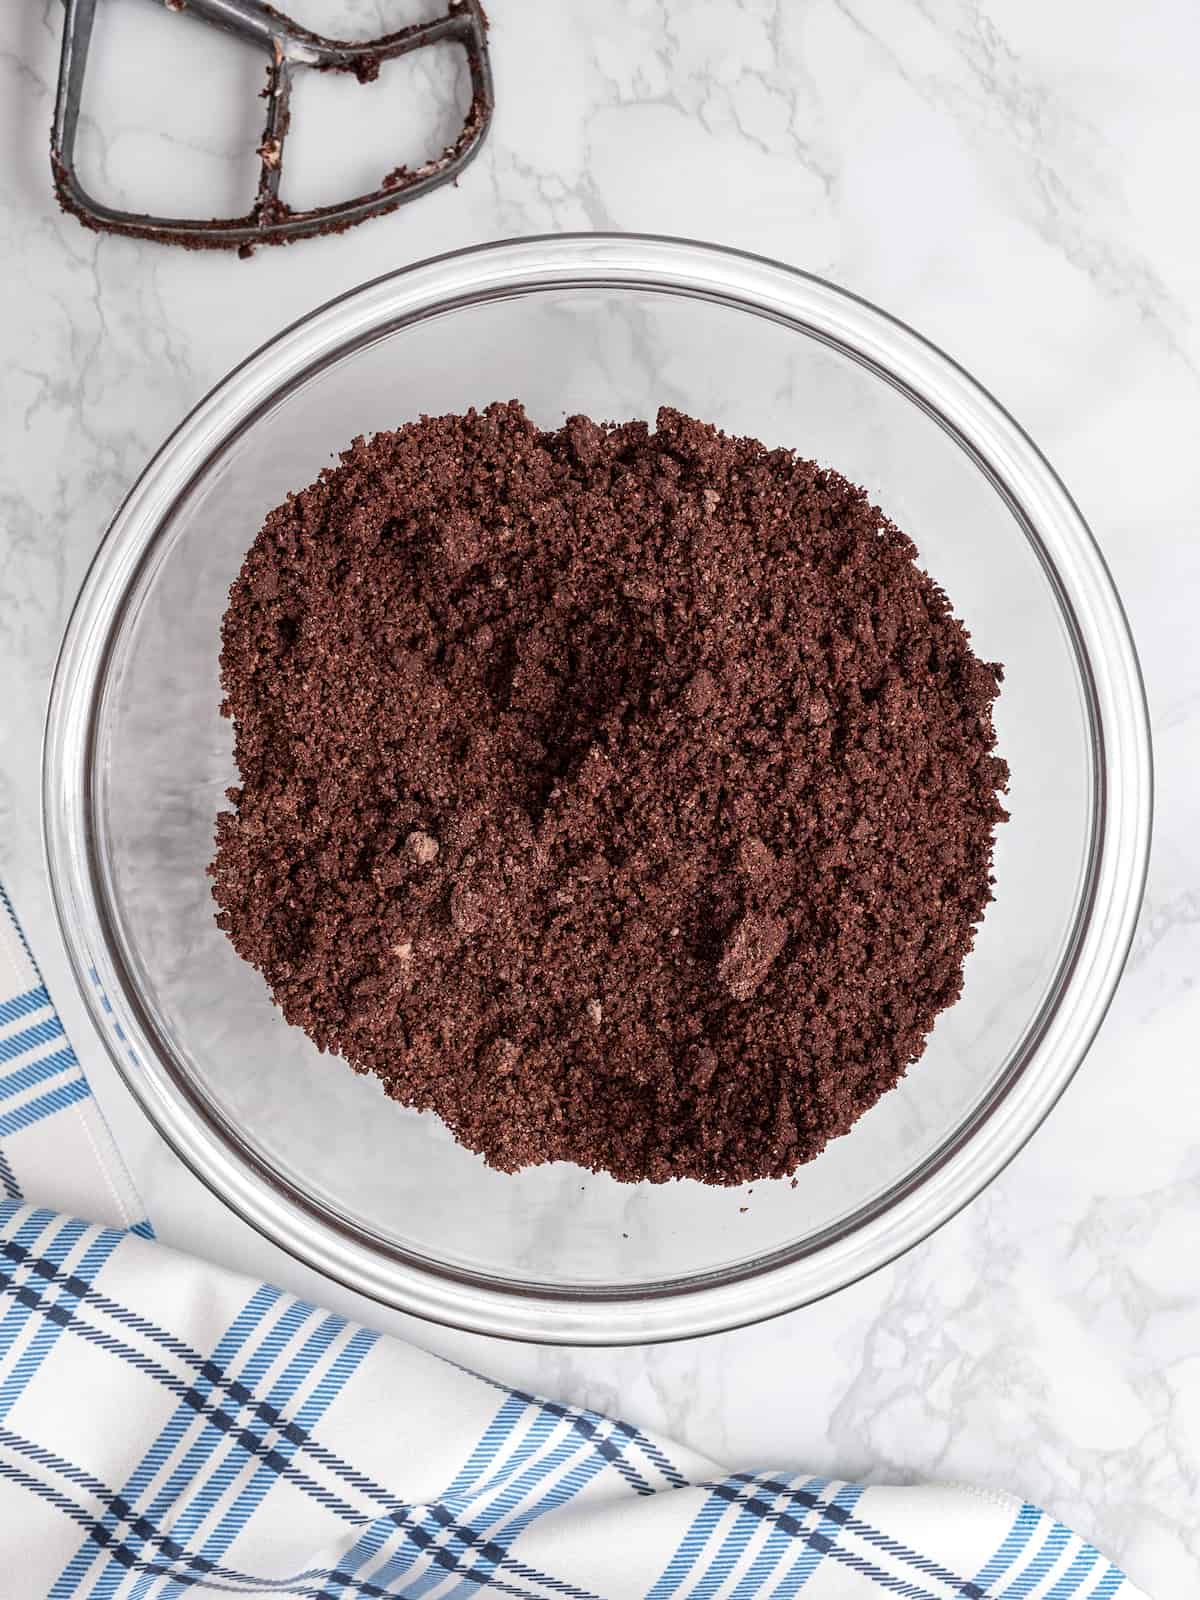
(1013, 179)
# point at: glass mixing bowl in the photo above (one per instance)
(137, 759)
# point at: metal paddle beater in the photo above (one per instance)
(287, 46)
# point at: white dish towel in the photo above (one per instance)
(168, 1428)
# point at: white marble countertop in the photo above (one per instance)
(1013, 179)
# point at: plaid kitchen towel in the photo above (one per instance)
(167, 1427)
(54, 1143)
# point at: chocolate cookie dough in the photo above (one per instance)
(625, 796)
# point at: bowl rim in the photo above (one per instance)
(1094, 954)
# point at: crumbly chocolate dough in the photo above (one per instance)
(625, 796)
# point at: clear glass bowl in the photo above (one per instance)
(137, 758)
